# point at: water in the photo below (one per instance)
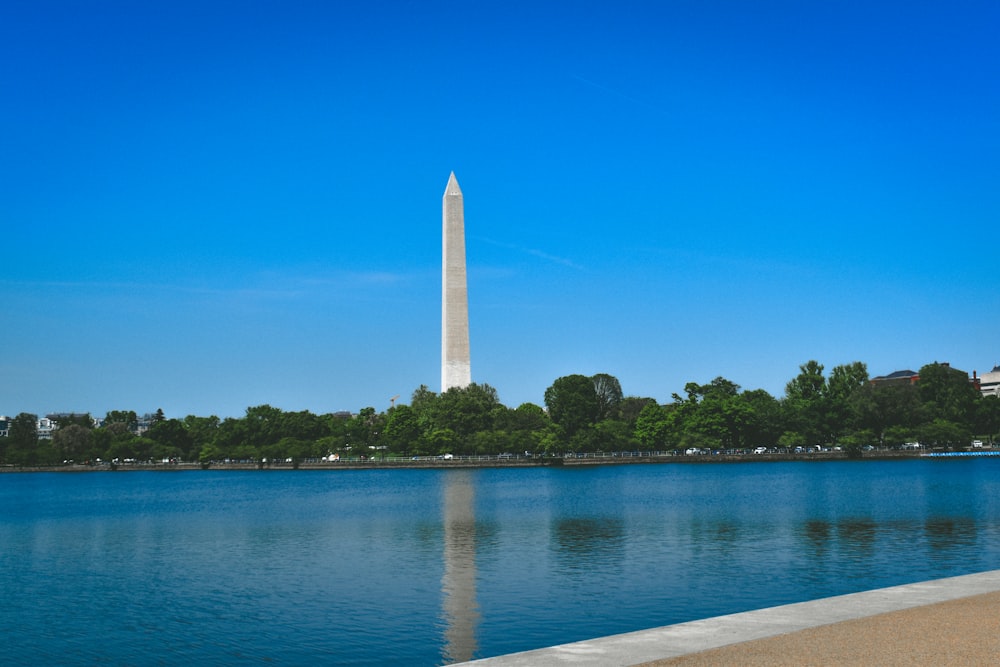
(424, 567)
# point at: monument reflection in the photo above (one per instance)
(458, 585)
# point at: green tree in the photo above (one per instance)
(263, 426)
(792, 439)
(809, 384)
(529, 417)
(127, 417)
(81, 419)
(22, 440)
(572, 403)
(100, 441)
(425, 404)
(845, 381)
(121, 442)
(402, 430)
(631, 407)
(713, 414)
(287, 448)
(336, 434)
(806, 406)
(988, 417)
(122, 449)
(762, 424)
(172, 439)
(533, 430)
(609, 395)
(947, 394)
(881, 408)
(897, 434)
(365, 431)
(230, 441)
(941, 433)
(614, 435)
(529, 429)
(439, 441)
(202, 432)
(72, 442)
(468, 410)
(653, 427)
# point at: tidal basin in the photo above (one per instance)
(425, 567)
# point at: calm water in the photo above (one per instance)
(424, 567)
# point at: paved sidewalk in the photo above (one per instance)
(954, 621)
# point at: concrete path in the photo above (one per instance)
(954, 621)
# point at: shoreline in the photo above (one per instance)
(477, 462)
(942, 622)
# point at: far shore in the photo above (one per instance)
(438, 463)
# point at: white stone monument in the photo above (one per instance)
(456, 363)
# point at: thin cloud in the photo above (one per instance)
(541, 254)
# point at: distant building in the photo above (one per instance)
(896, 378)
(4, 426)
(144, 423)
(911, 378)
(46, 427)
(989, 383)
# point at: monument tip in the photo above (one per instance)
(452, 188)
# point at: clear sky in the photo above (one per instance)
(206, 206)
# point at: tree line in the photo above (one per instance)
(580, 414)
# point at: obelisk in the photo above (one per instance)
(456, 364)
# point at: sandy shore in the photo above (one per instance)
(958, 632)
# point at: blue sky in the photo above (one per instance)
(211, 205)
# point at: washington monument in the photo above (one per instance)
(456, 363)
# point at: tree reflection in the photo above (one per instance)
(949, 534)
(584, 542)
(857, 536)
(817, 534)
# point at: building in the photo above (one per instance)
(908, 377)
(989, 383)
(46, 427)
(896, 378)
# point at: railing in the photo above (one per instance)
(692, 454)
